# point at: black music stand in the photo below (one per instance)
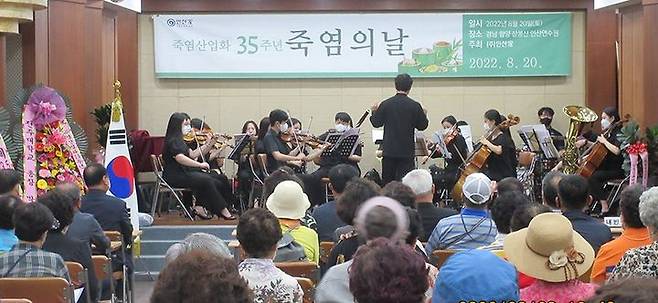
(345, 143)
(420, 148)
(241, 141)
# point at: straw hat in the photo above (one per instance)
(288, 201)
(549, 249)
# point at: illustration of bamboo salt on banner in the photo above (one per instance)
(117, 159)
(443, 57)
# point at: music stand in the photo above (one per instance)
(241, 141)
(345, 143)
(538, 140)
(420, 148)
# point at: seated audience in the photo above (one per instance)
(377, 217)
(573, 198)
(258, 232)
(61, 206)
(635, 235)
(549, 188)
(285, 173)
(198, 241)
(26, 259)
(289, 203)
(476, 276)
(356, 193)
(420, 182)
(8, 204)
(415, 230)
(110, 212)
(398, 191)
(631, 291)
(502, 209)
(84, 226)
(642, 262)
(471, 228)
(521, 219)
(10, 182)
(199, 276)
(402, 280)
(552, 252)
(509, 185)
(325, 215)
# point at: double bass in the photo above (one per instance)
(596, 153)
(478, 158)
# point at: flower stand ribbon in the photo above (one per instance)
(5, 160)
(638, 151)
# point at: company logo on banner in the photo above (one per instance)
(117, 160)
(363, 45)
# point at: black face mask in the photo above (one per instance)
(546, 121)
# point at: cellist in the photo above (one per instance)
(611, 166)
(502, 161)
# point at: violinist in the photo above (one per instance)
(611, 166)
(343, 123)
(201, 130)
(456, 145)
(181, 170)
(279, 152)
(502, 161)
(298, 166)
(244, 174)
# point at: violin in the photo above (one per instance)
(478, 158)
(201, 136)
(302, 138)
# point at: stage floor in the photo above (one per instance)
(174, 218)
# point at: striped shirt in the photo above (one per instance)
(37, 263)
(449, 229)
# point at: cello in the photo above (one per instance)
(478, 158)
(597, 152)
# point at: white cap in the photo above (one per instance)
(477, 188)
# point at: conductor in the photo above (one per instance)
(400, 116)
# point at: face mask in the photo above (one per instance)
(605, 123)
(341, 128)
(186, 129)
(446, 131)
(284, 127)
(486, 127)
(546, 121)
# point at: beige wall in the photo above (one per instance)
(228, 103)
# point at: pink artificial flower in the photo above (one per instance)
(57, 137)
(44, 173)
(45, 106)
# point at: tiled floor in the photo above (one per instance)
(143, 291)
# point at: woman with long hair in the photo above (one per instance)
(502, 161)
(181, 170)
(245, 176)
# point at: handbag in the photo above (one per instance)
(289, 250)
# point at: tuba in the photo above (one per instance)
(577, 116)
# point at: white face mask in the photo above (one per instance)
(341, 128)
(284, 127)
(446, 131)
(605, 123)
(486, 127)
(186, 129)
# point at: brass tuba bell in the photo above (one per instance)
(577, 116)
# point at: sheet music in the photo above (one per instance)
(545, 141)
(468, 136)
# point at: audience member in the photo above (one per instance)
(635, 235)
(289, 203)
(573, 198)
(61, 206)
(552, 252)
(356, 193)
(471, 228)
(198, 241)
(325, 215)
(420, 182)
(631, 291)
(285, 173)
(84, 226)
(549, 188)
(476, 276)
(402, 280)
(398, 191)
(642, 262)
(502, 209)
(10, 182)
(26, 259)
(110, 212)
(199, 276)
(258, 232)
(377, 217)
(521, 219)
(509, 185)
(8, 204)
(415, 230)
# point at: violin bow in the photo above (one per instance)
(203, 158)
(362, 119)
(294, 134)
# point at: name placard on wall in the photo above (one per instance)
(362, 45)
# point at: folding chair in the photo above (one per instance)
(441, 257)
(103, 269)
(123, 275)
(79, 277)
(309, 289)
(615, 186)
(327, 191)
(256, 183)
(526, 172)
(161, 186)
(50, 290)
(300, 269)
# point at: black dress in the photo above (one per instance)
(459, 152)
(610, 168)
(206, 187)
(504, 165)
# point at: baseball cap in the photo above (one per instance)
(461, 278)
(477, 188)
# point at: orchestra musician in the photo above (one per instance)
(244, 174)
(400, 116)
(456, 145)
(343, 123)
(545, 115)
(213, 157)
(181, 169)
(611, 166)
(299, 167)
(502, 161)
